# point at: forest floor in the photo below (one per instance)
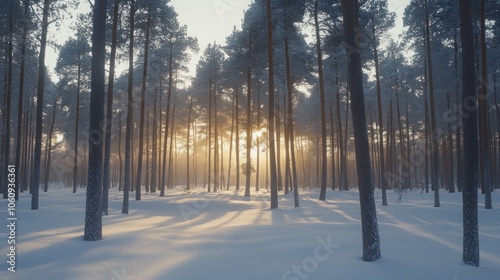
(225, 236)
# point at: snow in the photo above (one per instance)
(224, 235)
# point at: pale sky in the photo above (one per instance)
(209, 21)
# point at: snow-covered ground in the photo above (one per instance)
(224, 236)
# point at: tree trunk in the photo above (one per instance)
(237, 140)
(48, 147)
(170, 176)
(209, 133)
(7, 104)
(371, 240)
(322, 195)
(155, 152)
(216, 142)
(35, 182)
(130, 112)
(434, 132)
(383, 181)
(257, 106)
(187, 143)
(21, 101)
(165, 138)
(109, 111)
(272, 148)
(451, 174)
(340, 137)
(458, 132)
(233, 116)
(249, 131)
(484, 129)
(120, 128)
(143, 101)
(470, 254)
(291, 136)
(93, 214)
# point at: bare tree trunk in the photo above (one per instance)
(249, 131)
(170, 176)
(272, 148)
(154, 156)
(130, 112)
(93, 213)
(383, 180)
(8, 93)
(21, 101)
(451, 174)
(484, 129)
(233, 116)
(324, 159)
(434, 132)
(216, 142)
(371, 240)
(35, 182)
(167, 114)
(458, 132)
(48, 147)
(470, 254)
(143, 101)
(291, 136)
(257, 106)
(120, 128)
(146, 184)
(188, 186)
(237, 139)
(109, 110)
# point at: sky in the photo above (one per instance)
(209, 21)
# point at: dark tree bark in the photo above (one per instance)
(434, 131)
(130, 111)
(291, 136)
(233, 116)
(257, 169)
(249, 130)
(458, 130)
(21, 97)
(471, 146)
(8, 102)
(236, 92)
(426, 130)
(120, 128)
(272, 148)
(143, 101)
(155, 144)
(188, 186)
(383, 180)
(209, 134)
(451, 174)
(48, 147)
(77, 122)
(165, 139)
(371, 240)
(324, 159)
(93, 215)
(35, 182)
(109, 111)
(484, 129)
(216, 142)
